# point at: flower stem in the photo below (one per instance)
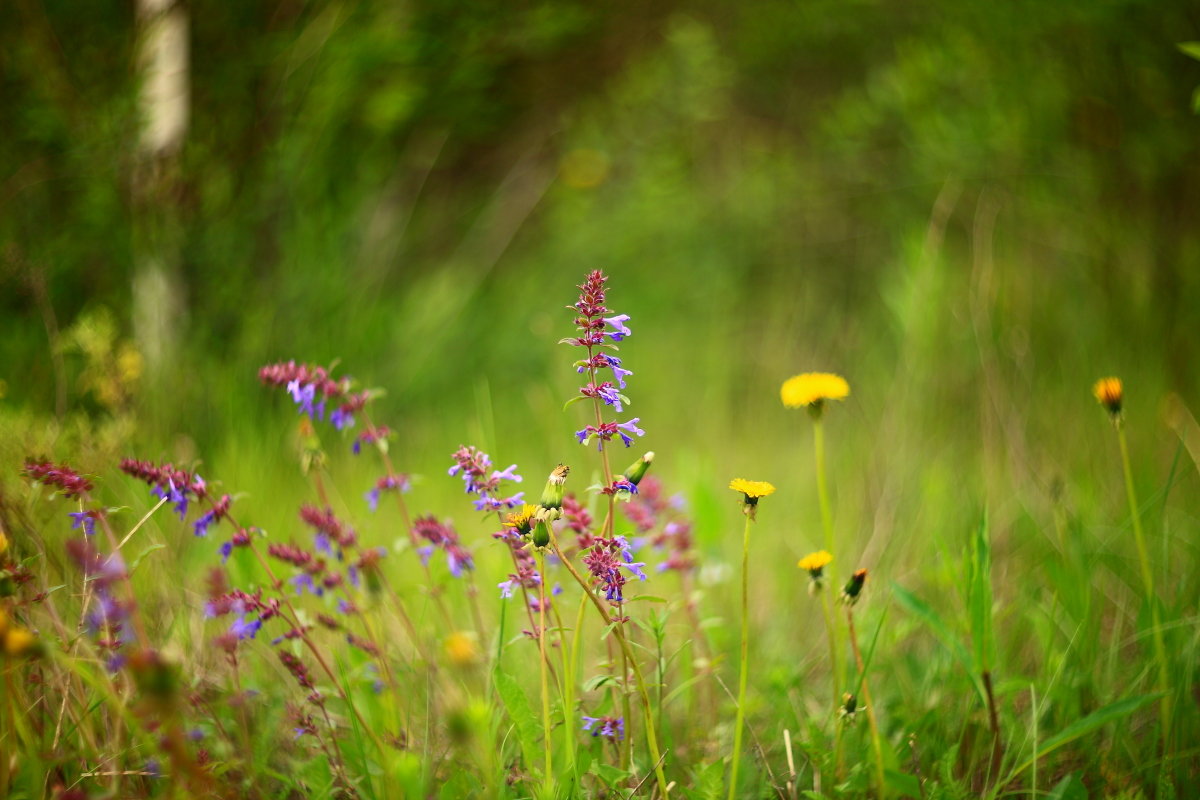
(547, 744)
(744, 675)
(647, 709)
(835, 670)
(1160, 650)
(876, 744)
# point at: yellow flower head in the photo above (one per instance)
(521, 521)
(751, 492)
(1109, 393)
(813, 388)
(461, 649)
(815, 562)
(18, 642)
(752, 489)
(3, 543)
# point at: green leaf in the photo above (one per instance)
(904, 784)
(1082, 727)
(1191, 49)
(611, 775)
(517, 704)
(573, 401)
(919, 609)
(133, 567)
(1069, 788)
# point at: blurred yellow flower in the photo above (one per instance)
(752, 489)
(815, 562)
(461, 650)
(18, 642)
(813, 387)
(1109, 393)
(3, 543)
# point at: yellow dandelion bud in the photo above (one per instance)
(1109, 393)
(812, 389)
(461, 649)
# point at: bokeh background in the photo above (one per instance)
(970, 210)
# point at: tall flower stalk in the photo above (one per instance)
(850, 594)
(1110, 393)
(751, 491)
(811, 390)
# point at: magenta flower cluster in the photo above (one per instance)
(481, 480)
(598, 333)
(313, 389)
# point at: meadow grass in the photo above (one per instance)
(396, 638)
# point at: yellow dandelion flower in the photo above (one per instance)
(461, 650)
(521, 521)
(751, 492)
(3, 543)
(813, 388)
(815, 562)
(752, 489)
(1109, 393)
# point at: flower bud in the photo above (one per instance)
(637, 470)
(552, 496)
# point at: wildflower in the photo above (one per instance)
(752, 492)
(578, 520)
(218, 512)
(812, 389)
(443, 536)
(168, 482)
(85, 520)
(372, 435)
(326, 524)
(480, 479)
(1109, 393)
(388, 483)
(612, 728)
(15, 640)
(461, 649)
(815, 564)
(69, 482)
(606, 559)
(853, 587)
(607, 430)
(521, 521)
(304, 382)
(243, 629)
(598, 328)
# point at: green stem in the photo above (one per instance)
(647, 709)
(1160, 650)
(876, 744)
(742, 679)
(547, 744)
(835, 665)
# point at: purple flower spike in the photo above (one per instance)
(84, 519)
(618, 322)
(341, 419)
(243, 629)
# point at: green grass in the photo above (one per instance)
(1005, 628)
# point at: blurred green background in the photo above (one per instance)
(971, 210)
